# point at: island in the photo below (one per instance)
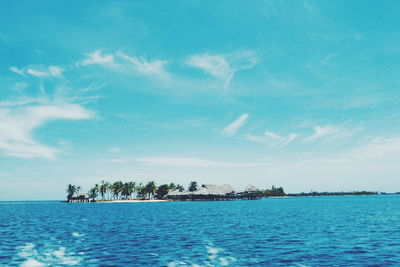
(106, 192)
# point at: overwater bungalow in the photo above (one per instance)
(250, 193)
(82, 198)
(215, 192)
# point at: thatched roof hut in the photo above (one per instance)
(79, 198)
(215, 189)
(250, 192)
(175, 193)
(205, 192)
(251, 188)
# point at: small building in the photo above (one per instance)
(215, 192)
(250, 193)
(79, 198)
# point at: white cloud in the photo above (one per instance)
(40, 71)
(16, 70)
(289, 139)
(272, 138)
(273, 135)
(223, 66)
(142, 66)
(232, 128)
(96, 57)
(18, 123)
(256, 139)
(328, 133)
(122, 62)
(375, 149)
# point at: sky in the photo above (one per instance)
(299, 94)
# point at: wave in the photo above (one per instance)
(34, 257)
(215, 257)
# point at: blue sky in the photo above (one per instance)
(299, 94)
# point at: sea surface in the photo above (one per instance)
(302, 231)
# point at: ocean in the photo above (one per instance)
(301, 231)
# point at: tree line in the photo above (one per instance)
(315, 193)
(125, 190)
(273, 192)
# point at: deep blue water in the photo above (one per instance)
(306, 231)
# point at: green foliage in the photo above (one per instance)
(274, 191)
(179, 187)
(128, 188)
(162, 191)
(71, 190)
(116, 189)
(141, 191)
(104, 186)
(150, 188)
(314, 193)
(192, 186)
(94, 192)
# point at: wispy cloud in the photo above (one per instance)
(124, 63)
(272, 138)
(291, 137)
(223, 66)
(16, 70)
(232, 128)
(18, 122)
(328, 133)
(273, 135)
(377, 148)
(325, 60)
(96, 57)
(142, 66)
(40, 71)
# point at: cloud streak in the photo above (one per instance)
(18, 123)
(272, 138)
(122, 62)
(40, 71)
(96, 57)
(223, 66)
(232, 128)
(327, 133)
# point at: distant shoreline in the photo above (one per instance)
(132, 201)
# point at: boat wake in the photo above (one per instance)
(34, 257)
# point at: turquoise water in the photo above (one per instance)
(307, 231)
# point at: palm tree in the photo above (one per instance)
(117, 188)
(103, 189)
(128, 189)
(180, 188)
(71, 190)
(150, 188)
(192, 186)
(141, 190)
(94, 192)
(162, 191)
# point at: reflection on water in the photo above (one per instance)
(311, 231)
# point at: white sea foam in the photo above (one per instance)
(32, 263)
(174, 263)
(76, 234)
(46, 256)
